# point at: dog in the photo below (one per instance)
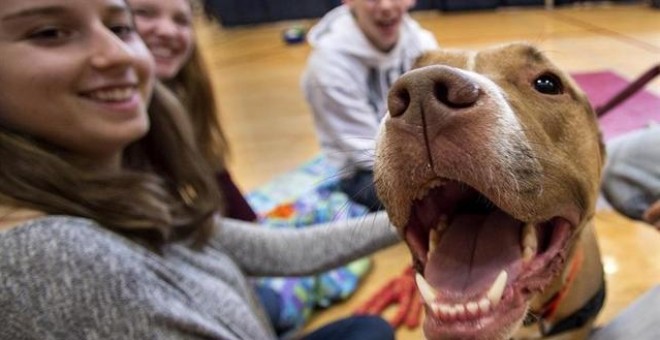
(488, 164)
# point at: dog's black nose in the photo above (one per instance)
(427, 87)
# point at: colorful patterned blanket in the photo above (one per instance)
(304, 196)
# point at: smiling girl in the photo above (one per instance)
(107, 212)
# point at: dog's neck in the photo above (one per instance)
(549, 309)
(541, 319)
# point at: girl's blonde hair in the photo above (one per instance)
(165, 190)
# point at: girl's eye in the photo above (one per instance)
(182, 20)
(50, 34)
(122, 31)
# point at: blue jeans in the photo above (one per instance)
(271, 301)
(360, 189)
(352, 328)
(363, 327)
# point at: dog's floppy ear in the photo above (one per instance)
(601, 139)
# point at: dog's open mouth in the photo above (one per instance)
(477, 264)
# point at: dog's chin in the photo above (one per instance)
(488, 328)
(478, 266)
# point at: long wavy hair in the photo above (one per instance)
(164, 191)
(194, 88)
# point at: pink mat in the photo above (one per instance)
(638, 111)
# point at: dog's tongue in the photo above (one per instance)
(473, 250)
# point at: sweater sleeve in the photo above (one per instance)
(288, 252)
(71, 281)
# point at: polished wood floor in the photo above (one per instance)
(270, 128)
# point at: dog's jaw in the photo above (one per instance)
(454, 176)
(479, 290)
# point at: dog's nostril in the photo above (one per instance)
(441, 92)
(426, 87)
(456, 96)
(399, 101)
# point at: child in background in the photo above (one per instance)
(167, 29)
(358, 50)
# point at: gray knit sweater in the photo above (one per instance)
(68, 278)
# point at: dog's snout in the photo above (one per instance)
(440, 87)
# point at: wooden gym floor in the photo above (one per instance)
(270, 129)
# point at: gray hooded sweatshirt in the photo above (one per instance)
(346, 83)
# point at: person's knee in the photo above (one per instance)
(360, 189)
(631, 177)
(360, 327)
(375, 328)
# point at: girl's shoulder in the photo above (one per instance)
(63, 242)
(60, 227)
(68, 277)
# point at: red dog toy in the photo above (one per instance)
(401, 291)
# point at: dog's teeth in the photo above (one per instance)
(424, 191)
(444, 309)
(484, 305)
(529, 236)
(495, 292)
(529, 243)
(434, 234)
(428, 293)
(460, 311)
(442, 222)
(434, 238)
(451, 312)
(472, 308)
(528, 254)
(436, 183)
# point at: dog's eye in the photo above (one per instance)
(548, 84)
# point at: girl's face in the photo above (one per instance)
(166, 27)
(74, 73)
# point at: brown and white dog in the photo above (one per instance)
(489, 166)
